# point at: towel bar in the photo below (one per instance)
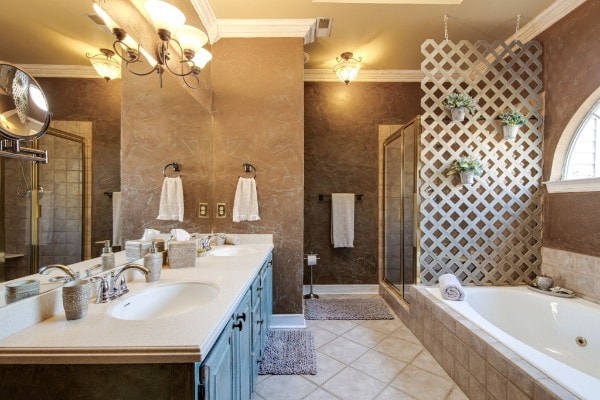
(174, 165)
(249, 168)
(323, 197)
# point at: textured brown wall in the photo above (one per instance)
(571, 74)
(97, 101)
(160, 126)
(341, 155)
(258, 118)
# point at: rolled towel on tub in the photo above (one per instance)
(234, 240)
(450, 288)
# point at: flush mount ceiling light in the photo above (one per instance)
(106, 66)
(185, 40)
(347, 67)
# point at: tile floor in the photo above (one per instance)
(364, 360)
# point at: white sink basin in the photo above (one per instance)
(233, 251)
(164, 301)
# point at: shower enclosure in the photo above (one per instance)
(400, 212)
(42, 207)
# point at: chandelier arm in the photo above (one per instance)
(155, 69)
(195, 76)
(164, 56)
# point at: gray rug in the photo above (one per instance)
(371, 308)
(289, 352)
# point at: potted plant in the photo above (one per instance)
(511, 120)
(459, 104)
(467, 168)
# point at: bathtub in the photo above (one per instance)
(559, 336)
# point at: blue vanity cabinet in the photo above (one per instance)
(216, 372)
(242, 350)
(231, 368)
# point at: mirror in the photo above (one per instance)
(24, 111)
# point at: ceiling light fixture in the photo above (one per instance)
(347, 67)
(185, 40)
(106, 66)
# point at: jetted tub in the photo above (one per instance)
(559, 336)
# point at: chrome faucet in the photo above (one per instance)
(111, 287)
(72, 275)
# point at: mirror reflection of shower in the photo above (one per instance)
(26, 193)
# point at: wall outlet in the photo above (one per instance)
(221, 210)
(203, 210)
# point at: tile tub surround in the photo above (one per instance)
(481, 366)
(99, 338)
(578, 272)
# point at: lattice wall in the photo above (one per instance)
(489, 232)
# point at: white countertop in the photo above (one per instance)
(101, 338)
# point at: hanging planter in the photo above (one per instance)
(458, 104)
(512, 120)
(467, 168)
(467, 177)
(510, 131)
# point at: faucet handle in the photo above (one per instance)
(103, 291)
(123, 286)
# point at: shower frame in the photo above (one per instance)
(408, 271)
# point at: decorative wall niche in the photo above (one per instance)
(489, 233)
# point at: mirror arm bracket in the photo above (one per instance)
(12, 149)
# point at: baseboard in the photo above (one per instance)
(342, 289)
(287, 321)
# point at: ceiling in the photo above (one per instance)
(386, 36)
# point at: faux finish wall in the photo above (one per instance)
(571, 75)
(341, 155)
(258, 118)
(99, 102)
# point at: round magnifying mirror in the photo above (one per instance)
(24, 111)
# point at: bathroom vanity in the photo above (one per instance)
(205, 345)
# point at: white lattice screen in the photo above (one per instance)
(489, 232)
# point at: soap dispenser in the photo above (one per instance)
(107, 259)
(153, 261)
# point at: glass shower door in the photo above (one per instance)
(400, 222)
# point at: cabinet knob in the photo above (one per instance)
(239, 325)
(259, 288)
(241, 316)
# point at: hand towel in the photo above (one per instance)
(245, 203)
(150, 234)
(116, 217)
(234, 240)
(171, 200)
(450, 288)
(342, 219)
(180, 235)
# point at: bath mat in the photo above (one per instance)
(372, 308)
(289, 352)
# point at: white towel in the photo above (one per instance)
(180, 235)
(245, 203)
(171, 200)
(116, 212)
(342, 219)
(150, 234)
(233, 240)
(450, 288)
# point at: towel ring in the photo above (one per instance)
(174, 165)
(249, 168)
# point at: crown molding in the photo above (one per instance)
(60, 71)
(366, 75)
(208, 18)
(544, 20)
(254, 28)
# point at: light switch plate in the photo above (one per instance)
(221, 210)
(203, 210)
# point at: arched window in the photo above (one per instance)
(583, 156)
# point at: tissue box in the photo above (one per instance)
(136, 249)
(182, 254)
